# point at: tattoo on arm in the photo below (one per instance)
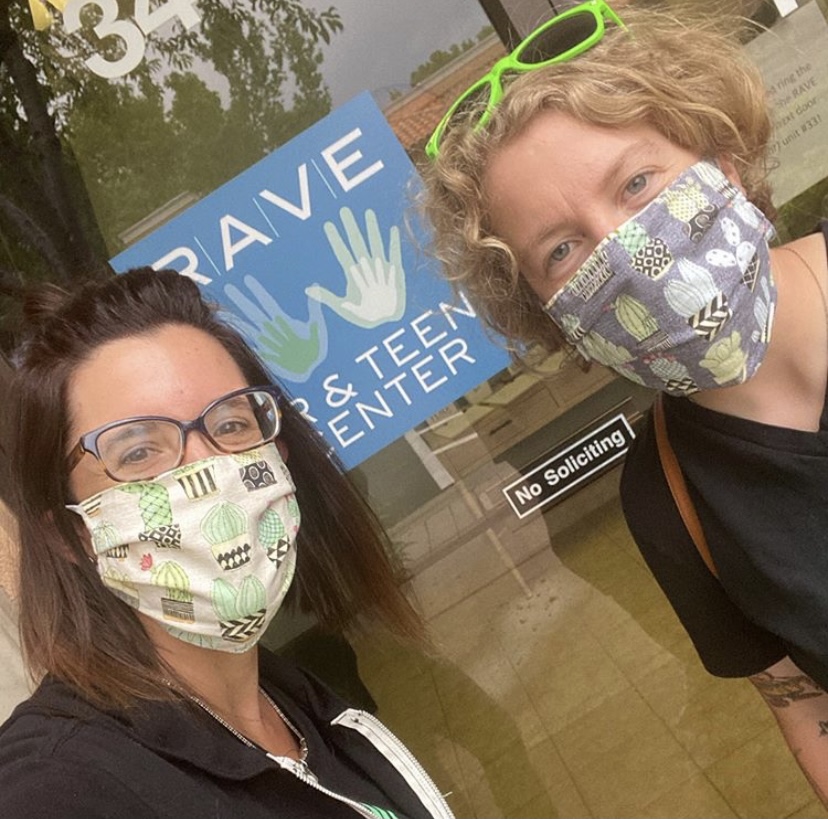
(805, 728)
(780, 692)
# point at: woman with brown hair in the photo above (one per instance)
(158, 476)
(604, 188)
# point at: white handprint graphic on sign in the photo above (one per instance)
(375, 284)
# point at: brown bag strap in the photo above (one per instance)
(678, 487)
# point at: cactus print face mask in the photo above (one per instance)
(208, 549)
(680, 298)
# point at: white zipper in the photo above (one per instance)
(400, 757)
(300, 769)
(388, 745)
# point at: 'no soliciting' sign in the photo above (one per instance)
(570, 465)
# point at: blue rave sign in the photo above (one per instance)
(308, 253)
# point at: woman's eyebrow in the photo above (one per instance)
(639, 152)
(132, 429)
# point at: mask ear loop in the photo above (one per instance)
(85, 539)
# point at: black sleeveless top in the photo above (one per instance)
(761, 493)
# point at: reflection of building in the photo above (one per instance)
(506, 409)
(157, 218)
(414, 116)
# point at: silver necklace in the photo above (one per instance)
(303, 745)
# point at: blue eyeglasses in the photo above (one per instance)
(143, 447)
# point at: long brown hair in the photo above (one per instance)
(72, 626)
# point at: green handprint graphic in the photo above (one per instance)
(292, 348)
(375, 284)
(281, 345)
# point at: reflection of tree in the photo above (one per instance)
(40, 194)
(143, 138)
(439, 58)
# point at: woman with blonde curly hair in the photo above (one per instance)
(604, 189)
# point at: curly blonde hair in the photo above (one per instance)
(687, 78)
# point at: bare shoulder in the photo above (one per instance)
(812, 249)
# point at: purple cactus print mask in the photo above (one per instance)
(680, 297)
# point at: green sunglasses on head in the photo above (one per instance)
(570, 33)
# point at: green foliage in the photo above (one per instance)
(801, 215)
(86, 158)
(440, 58)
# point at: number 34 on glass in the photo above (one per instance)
(125, 37)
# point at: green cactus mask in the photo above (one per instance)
(219, 583)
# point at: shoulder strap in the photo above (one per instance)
(678, 487)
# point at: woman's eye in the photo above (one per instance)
(232, 426)
(637, 184)
(560, 252)
(136, 455)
